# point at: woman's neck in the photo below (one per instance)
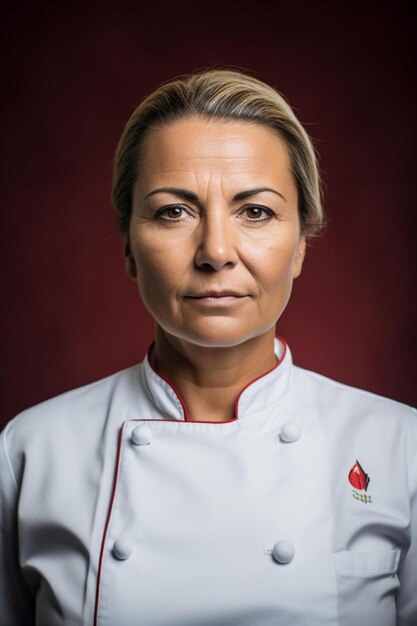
(210, 379)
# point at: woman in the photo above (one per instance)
(215, 483)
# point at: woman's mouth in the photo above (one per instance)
(217, 300)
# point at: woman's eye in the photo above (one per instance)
(258, 213)
(172, 213)
(177, 213)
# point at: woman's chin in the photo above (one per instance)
(216, 335)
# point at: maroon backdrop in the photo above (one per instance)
(74, 73)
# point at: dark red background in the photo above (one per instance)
(72, 77)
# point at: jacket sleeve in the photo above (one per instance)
(17, 604)
(407, 573)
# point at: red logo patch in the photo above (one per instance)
(358, 478)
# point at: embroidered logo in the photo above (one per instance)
(359, 479)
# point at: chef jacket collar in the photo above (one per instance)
(257, 395)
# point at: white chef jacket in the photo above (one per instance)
(116, 510)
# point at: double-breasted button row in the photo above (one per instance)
(290, 432)
(283, 551)
(123, 547)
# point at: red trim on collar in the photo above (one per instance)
(184, 408)
(261, 376)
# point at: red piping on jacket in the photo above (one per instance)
(116, 476)
(177, 393)
(184, 408)
(107, 524)
(261, 376)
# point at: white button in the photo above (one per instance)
(122, 548)
(290, 432)
(141, 435)
(283, 551)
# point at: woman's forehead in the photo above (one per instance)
(236, 152)
(196, 138)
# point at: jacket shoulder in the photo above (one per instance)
(332, 392)
(86, 402)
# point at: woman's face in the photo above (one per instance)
(203, 221)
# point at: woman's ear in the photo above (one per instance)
(130, 263)
(299, 257)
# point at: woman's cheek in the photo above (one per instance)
(158, 280)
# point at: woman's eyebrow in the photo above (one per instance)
(252, 192)
(189, 195)
(183, 193)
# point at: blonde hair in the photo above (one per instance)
(223, 94)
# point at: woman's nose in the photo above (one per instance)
(216, 244)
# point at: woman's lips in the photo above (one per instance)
(216, 300)
(215, 293)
